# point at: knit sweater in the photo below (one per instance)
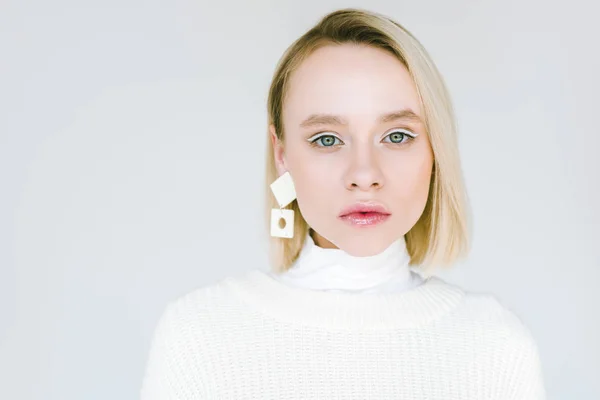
(250, 336)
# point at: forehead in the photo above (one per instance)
(356, 81)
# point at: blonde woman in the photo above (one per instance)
(364, 189)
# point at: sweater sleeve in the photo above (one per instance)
(525, 378)
(528, 383)
(167, 376)
(521, 356)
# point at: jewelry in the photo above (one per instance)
(282, 220)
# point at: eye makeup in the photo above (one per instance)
(399, 136)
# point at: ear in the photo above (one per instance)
(278, 151)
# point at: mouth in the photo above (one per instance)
(365, 214)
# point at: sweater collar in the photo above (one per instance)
(411, 308)
(347, 309)
(329, 269)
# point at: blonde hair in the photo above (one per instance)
(441, 236)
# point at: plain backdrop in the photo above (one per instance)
(132, 139)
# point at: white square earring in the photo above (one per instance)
(282, 221)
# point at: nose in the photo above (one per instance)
(364, 171)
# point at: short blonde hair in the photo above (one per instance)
(441, 236)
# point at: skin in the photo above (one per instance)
(356, 160)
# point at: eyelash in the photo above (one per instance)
(408, 135)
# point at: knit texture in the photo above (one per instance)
(252, 337)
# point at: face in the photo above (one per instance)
(354, 137)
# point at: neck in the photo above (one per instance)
(321, 241)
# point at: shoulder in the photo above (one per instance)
(198, 303)
(188, 320)
(494, 336)
(508, 338)
(205, 310)
(187, 327)
(489, 316)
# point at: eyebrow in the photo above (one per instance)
(330, 119)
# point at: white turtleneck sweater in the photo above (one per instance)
(334, 270)
(341, 327)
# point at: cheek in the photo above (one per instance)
(411, 186)
(421, 187)
(313, 184)
(412, 176)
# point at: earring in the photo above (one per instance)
(282, 220)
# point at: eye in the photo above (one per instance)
(399, 136)
(325, 140)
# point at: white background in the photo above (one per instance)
(132, 139)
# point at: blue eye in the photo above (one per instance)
(399, 136)
(326, 141)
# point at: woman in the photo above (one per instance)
(364, 182)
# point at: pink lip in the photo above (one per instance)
(364, 208)
(365, 214)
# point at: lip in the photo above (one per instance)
(365, 207)
(365, 214)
